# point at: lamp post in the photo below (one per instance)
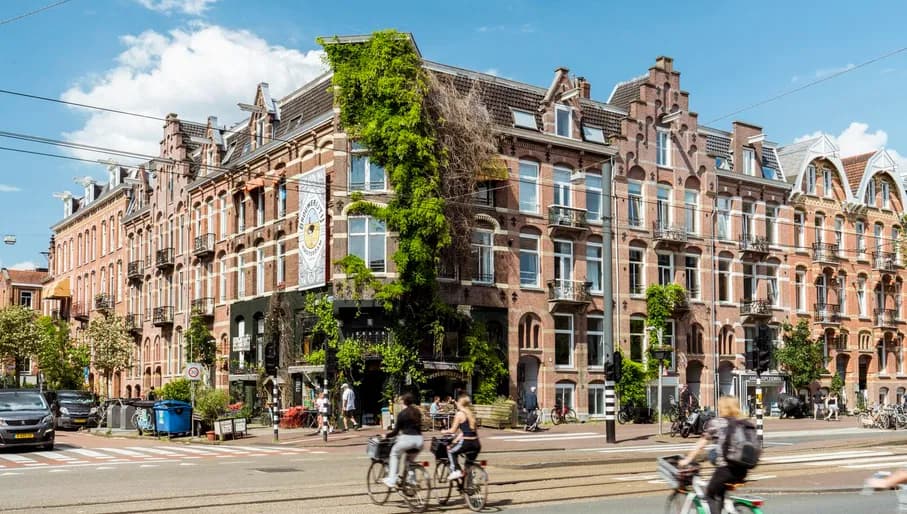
(661, 354)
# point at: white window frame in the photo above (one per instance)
(590, 334)
(819, 226)
(811, 179)
(572, 343)
(637, 199)
(827, 183)
(663, 206)
(559, 395)
(563, 262)
(596, 394)
(663, 147)
(594, 261)
(280, 275)
(367, 236)
(886, 195)
(861, 296)
(527, 184)
(800, 290)
(723, 224)
(240, 279)
(638, 269)
(260, 130)
(563, 193)
(31, 298)
(282, 198)
(260, 207)
(799, 230)
(259, 271)
(749, 161)
(559, 110)
(483, 250)
(222, 279)
(369, 184)
(671, 270)
(241, 214)
(593, 198)
(696, 292)
(771, 221)
(530, 253)
(860, 231)
(869, 198)
(223, 216)
(691, 213)
(839, 233)
(728, 279)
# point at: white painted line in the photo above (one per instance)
(57, 456)
(187, 464)
(226, 449)
(37, 464)
(18, 459)
(104, 468)
(122, 451)
(859, 460)
(543, 436)
(790, 459)
(318, 451)
(154, 451)
(58, 470)
(148, 466)
(186, 449)
(634, 478)
(9, 473)
(91, 453)
(878, 465)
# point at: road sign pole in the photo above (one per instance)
(759, 406)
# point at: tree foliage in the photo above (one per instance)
(61, 360)
(201, 346)
(211, 403)
(111, 345)
(801, 355)
(177, 389)
(19, 335)
(484, 362)
(633, 381)
(661, 301)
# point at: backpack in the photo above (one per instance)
(741, 444)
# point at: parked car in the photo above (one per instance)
(25, 419)
(74, 409)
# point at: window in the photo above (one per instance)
(819, 223)
(771, 220)
(748, 222)
(280, 276)
(593, 134)
(529, 187)
(529, 260)
(860, 230)
(484, 194)
(596, 399)
(895, 247)
(593, 197)
(663, 207)
(861, 296)
(260, 207)
(367, 241)
(635, 268)
(119, 284)
(691, 268)
(690, 201)
(483, 252)
(282, 198)
(827, 188)
(883, 364)
(771, 282)
(634, 203)
(637, 338)
(839, 234)
(811, 179)
(877, 232)
(749, 161)
(594, 266)
(240, 279)
(223, 215)
(595, 341)
(799, 230)
(870, 196)
(562, 194)
(222, 276)
(563, 394)
(25, 299)
(240, 213)
(259, 271)
(800, 290)
(524, 119)
(563, 121)
(749, 283)
(665, 268)
(366, 175)
(663, 148)
(724, 280)
(842, 293)
(886, 195)
(563, 340)
(724, 218)
(103, 238)
(563, 261)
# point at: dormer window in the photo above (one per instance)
(749, 161)
(563, 121)
(593, 134)
(663, 148)
(870, 197)
(211, 157)
(523, 119)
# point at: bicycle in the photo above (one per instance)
(473, 485)
(563, 414)
(143, 420)
(688, 491)
(413, 483)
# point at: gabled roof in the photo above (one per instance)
(795, 159)
(855, 167)
(22, 276)
(880, 162)
(625, 93)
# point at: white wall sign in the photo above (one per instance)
(312, 229)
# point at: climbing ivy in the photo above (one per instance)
(661, 301)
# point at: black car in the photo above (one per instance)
(25, 419)
(74, 409)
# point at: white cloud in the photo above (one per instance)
(24, 265)
(6, 188)
(858, 139)
(197, 72)
(194, 7)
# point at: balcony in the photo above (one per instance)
(204, 245)
(203, 307)
(825, 253)
(566, 219)
(103, 302)
(133, 323)
(163, 259)
(79, 312)
(666, 235)
(759, 308)
(162, 316)
(134, 270)
(683, 303)
(885, 318)
(568, 293)
(828, 314)
(754, 246)
(885, 261)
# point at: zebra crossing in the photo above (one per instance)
(15, 463)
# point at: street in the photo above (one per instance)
(300, 473)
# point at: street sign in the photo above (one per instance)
(193, 371)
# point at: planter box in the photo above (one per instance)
(496, 416)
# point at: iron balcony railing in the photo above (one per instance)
(79, 311)
(134, 270)
(569, 291)
(103, 302)
(567, 217)
(162, 316)
(668, 234)
(756, 308)
(828, 313)
(885, 318)
(753, 244)
(203, 307)
(884, 261)
(204, 245)
(825, 252)
(133, 322)
(163, 258)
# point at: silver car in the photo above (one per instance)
(25, 419)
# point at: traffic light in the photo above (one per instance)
(752, 359)
(616, 368)
(765, 356)
(271, 358)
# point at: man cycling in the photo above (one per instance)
(408, 431)
(467, 438)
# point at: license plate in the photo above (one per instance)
(79, 420)
(25, 436)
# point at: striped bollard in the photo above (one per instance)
(759, 407)
(610, 412)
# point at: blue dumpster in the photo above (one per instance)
(173, 417)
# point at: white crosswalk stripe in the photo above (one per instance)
(815, 457)
(18, 459)
(543, 437)
(154, 451)
(91, 453)
(123, 451)
(57, 456)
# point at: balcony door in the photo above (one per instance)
(563, 262)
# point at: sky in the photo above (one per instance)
(198, 58)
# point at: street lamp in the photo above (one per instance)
(661, 353)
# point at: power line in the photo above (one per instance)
(30, 13)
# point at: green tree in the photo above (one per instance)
(632, 386)
(484, 362)
(661, 303)
(201, 346)
(837, 384)
(177, 389)
(61, 360)
(801, 355)
(111, 346)
(19, 336)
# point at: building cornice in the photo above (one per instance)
(91, 208)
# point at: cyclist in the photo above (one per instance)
(408, 431)
(467, 439)
(716, 431)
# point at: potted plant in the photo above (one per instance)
(210, 405)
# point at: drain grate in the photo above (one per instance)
(277, 470)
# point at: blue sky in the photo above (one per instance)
(200, 57)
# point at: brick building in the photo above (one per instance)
(22, 287)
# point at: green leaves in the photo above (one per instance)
(484, 362)
(19, 334)
(661, 302)
(177, 389)
(801, 355)
(632, 385)
(61, 360)
(200, 344)
(111, 344)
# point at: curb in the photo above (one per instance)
(801, 490)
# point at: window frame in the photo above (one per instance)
(670, 269)
(525, 183)
(590, 334)
(533, 253)
(560, 109)
(368, 184)
(484, 256)
(690, 215)
(570, 333)
(749, 161)
(636, 199)
(31, 298)
(662, 147)
(594, 198)
(636, 269)
(591, 259)
(694, 292)
(367, 236)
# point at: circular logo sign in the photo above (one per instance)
(193, 371)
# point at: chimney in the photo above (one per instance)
(665, 64)
(585, 87)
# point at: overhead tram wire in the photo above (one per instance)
(31, 13)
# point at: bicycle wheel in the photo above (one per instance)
(475, 488)
(623, 417)
(556, 417)
(417, 490)
(676, 502)
(377, 491)
(444, 486)
(570, 416)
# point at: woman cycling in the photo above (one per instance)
(467, 438)
(408, 431)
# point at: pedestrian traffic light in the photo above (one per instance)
(752, 359)
(271, 359)
(617, 367)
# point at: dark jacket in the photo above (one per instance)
(409, 422)
(531, 402)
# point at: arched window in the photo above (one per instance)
(529, 331)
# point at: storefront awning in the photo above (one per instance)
(495, 169)
(57, 290)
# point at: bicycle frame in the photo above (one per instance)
(695, 501)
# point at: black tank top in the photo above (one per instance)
(467, 430)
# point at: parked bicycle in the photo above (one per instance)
(688, 491)
(563, 414)
(413, 483)
(636, 413)
(473, 485)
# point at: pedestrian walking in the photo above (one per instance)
(831, 405)
(348, 399)
(818, 402)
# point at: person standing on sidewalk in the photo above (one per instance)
(348, 400)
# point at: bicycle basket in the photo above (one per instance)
(379, 449)
(676, 477)
(439, 446)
